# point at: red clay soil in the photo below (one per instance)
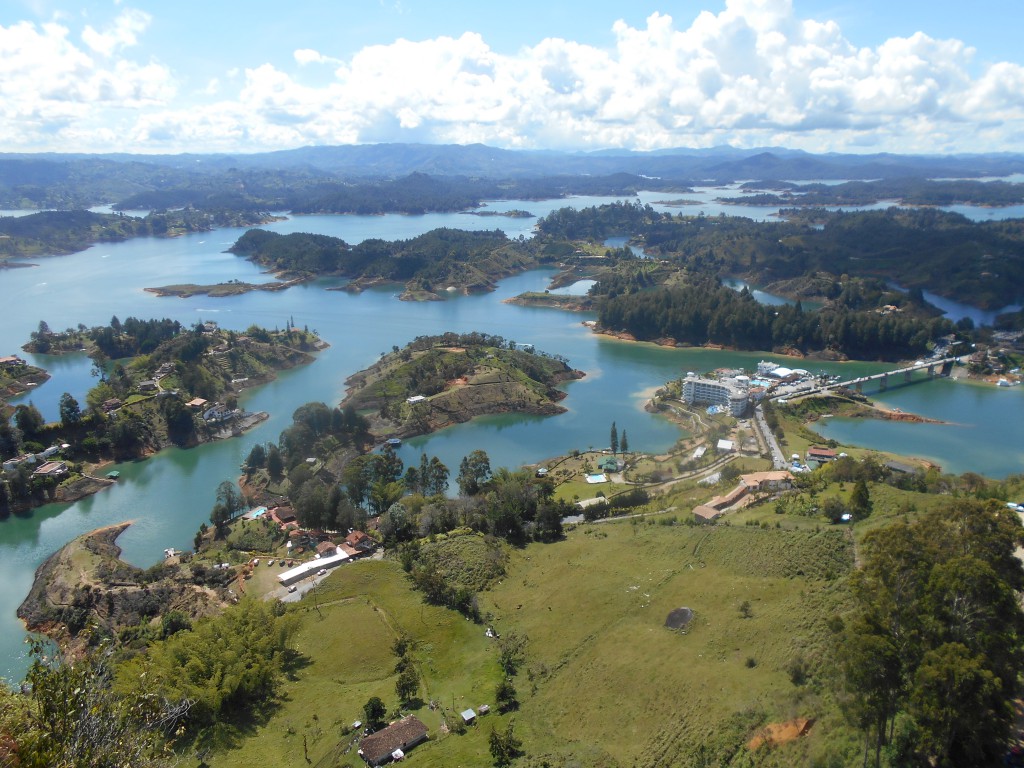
(780, 733)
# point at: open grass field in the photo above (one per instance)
(604, 682)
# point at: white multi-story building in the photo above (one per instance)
(729, 393)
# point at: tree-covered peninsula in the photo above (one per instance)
(63, 232)
(978, 263)
(170, 385)
(431, 265)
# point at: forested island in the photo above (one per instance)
(979, 263)
(170, 386)
(430, 265)
(49, 233)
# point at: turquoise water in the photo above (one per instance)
(169, 495)
(981, 429)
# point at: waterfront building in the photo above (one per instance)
(729, 393)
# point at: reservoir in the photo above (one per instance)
(168, 496)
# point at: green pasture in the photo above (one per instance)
(604, 681)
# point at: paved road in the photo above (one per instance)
(778, 457)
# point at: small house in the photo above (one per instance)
(468, 716)
(51, 469)
(402, 735)
(149, 385)
(11, 361)
(327, 549)
(196, 403)
(111, 405)
(706, 514)
(821, 455)
(726, 446)
(360, 541)
(415, 399)
(12, 464)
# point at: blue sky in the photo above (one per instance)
(825, 75)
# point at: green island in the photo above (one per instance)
(169, 386)
(430, 266)
(16, 378)
(437, 381)
(515, 213)
(49, 233)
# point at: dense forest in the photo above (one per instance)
(980, 263)
(708, 313)
(428, 263)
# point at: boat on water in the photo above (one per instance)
(394, 442)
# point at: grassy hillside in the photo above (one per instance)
(604, 681)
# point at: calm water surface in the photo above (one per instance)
(170, 495)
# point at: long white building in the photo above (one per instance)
(730, 393)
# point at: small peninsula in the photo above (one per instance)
(87, 584)
(430, 266)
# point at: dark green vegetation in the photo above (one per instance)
(785, 628)
(933, 647)
(185, 691)
(458, 377)
(979, 263)
(428, 264)
(706, 312)
(169, 386)
(62, 232)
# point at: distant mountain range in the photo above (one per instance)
(368, 161)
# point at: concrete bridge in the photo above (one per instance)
(944, 364)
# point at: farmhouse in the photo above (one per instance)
(767, 481)
(706, 513)
(390, 743)
(816, 453)
(360, 540)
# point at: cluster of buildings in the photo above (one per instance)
(329, 555)
(755, 482)
(731, 393)
(46, 468)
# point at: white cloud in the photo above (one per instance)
(122, 34)
(52, 91)
(753, 74)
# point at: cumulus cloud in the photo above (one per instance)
(123, 33)
(52, 91)
(752, 74)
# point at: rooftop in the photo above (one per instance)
(402, 734)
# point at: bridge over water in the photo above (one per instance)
(940, 366)
(945, 365)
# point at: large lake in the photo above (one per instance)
(170, 495)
